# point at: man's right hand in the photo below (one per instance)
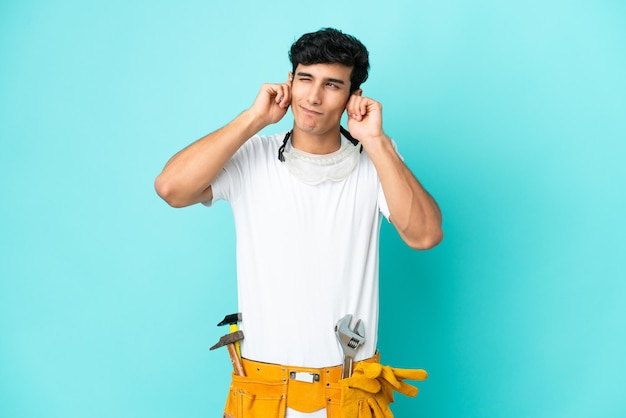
(272, 102)
(186, 178)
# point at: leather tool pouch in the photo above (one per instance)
(333, 400)
(249, 397)
(268, 389)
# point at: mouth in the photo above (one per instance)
(309, 111)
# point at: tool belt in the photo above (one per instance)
(268, 389)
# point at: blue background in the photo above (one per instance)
(512, 114)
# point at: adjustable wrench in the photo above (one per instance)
(350, 340)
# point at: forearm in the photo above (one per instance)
(187, 176)
(413, 212)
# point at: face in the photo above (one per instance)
(319, 94)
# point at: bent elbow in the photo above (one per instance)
(164, 189)
(427, 241)
(179, 195)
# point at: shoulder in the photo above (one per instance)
(266, 141)
(260, 148)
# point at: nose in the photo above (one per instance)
(314, 95)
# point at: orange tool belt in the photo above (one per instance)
(268, 389)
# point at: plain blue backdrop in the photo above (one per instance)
(511, 113)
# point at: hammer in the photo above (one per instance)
(229, 341)
(232, 320)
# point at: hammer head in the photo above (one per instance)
(230, 319)
(227, 339)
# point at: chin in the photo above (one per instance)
(314, 128)
(305, 127)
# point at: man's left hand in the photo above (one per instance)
(365, 119)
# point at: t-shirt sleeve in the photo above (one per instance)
(229, 180)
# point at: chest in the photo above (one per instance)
(276, 202)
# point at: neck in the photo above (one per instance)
(324, 143)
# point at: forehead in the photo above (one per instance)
(324, 71)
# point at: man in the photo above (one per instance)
(307, 206)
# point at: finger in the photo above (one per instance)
(285, 93)
(271, 91)
(287, 100)
(353, 107)
(279, 94)
(352, 103)
(362, 106)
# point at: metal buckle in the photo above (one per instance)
(304, 377)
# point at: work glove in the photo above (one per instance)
(369, 391)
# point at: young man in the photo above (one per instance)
(307, 205)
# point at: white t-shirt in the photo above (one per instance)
(306, 255)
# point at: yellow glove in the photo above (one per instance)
(369, 391)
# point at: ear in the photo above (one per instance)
(290, 76)
(358, 92)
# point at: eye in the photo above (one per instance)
(332, 85)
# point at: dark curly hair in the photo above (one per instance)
(331, 46)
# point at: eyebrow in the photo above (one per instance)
(332, 80)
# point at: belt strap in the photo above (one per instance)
(308, 389)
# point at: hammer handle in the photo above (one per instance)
(234, 358)
(235, 328)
